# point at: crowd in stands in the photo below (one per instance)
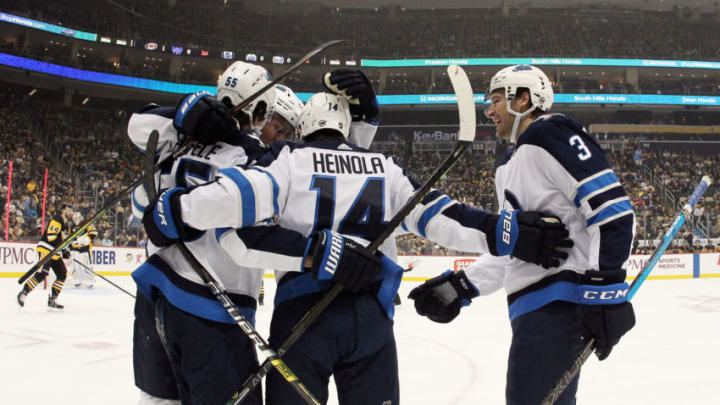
(88, 158)
(393, 32)
(387, 33)
(676, 171)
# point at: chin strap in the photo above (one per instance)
(516, 124)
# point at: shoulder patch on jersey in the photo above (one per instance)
(566, 141)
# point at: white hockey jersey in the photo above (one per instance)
(556, 168)
(329, 185)
(167, 269)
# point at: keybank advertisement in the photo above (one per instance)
(17, 258)
(694, 64)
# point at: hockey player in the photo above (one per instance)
(556, 168)
(208, 355)
(51, 238)
(80, 253)
(240, 81)
(272, 117)
(324, 188)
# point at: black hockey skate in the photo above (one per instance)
(21, 298)
(54, 306)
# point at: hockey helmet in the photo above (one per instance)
(512, 78)
(288, 105)
(240, 81)
(325, 111)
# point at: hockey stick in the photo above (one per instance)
(102, 277)
(466, 110)
(292, 68)
(574, 369)
(222, 296)
(180, 149)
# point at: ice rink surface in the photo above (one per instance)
(83, 355)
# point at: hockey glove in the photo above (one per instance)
(529, 236)
(65, 254)
(355, 86)
(343, 260)
(607, 323)
(163, 219)
(441, 297)
(203, 118)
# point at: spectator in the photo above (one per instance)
(105, 241)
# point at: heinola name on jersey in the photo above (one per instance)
(347, 164)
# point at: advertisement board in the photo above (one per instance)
(685, 64)
(17, 257)
(55, 29)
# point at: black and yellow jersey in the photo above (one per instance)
(84, 241)
(51, 238)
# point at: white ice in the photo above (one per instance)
(84, 355)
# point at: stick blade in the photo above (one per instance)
(466, 102)
(149, 164)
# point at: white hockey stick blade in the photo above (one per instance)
(466, 102)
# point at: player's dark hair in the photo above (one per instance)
(536, 112)
(324, 135)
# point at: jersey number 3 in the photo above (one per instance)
(577, 142)
(365, 216)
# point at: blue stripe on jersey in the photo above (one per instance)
(609, 211)
(569, 292)
(304, 283)
(430, 214)
(219, 232)
(276, 189)
(246, 193)
(148, 277)
(594, 185)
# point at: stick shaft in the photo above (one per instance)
(574, 369)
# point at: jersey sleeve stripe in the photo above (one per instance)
(597, 200)
(276, 189)
(605, 205)
(610, 212)
(246, 193)
(430, 214)
(592, 187)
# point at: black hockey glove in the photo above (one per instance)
(343, 260)
(607, 323)
(163, 219)
(65, 254)
(203, 118)
(529, 236)
(355, 86)
(441, 297)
